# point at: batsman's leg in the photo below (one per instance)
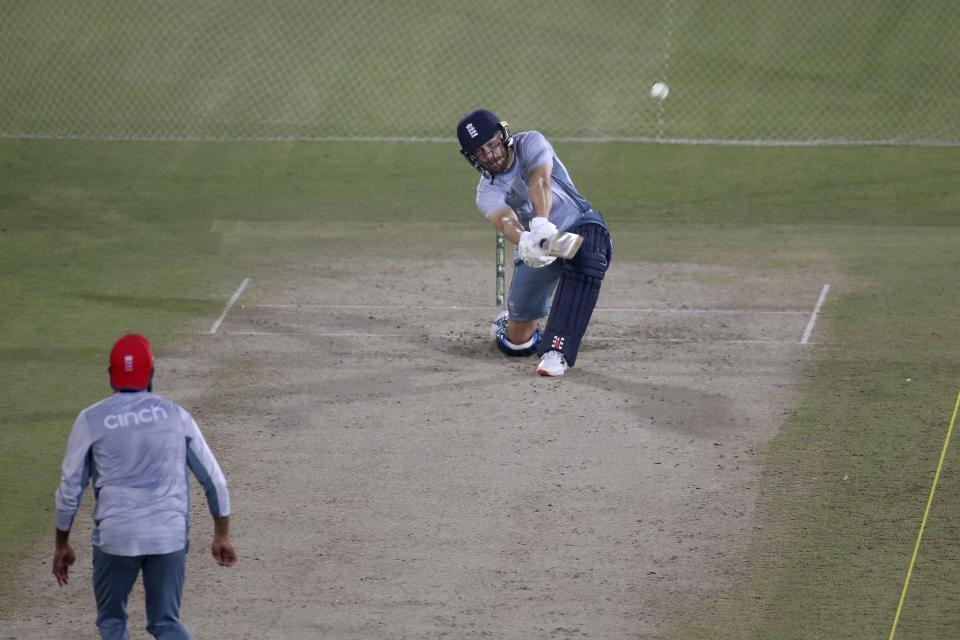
(528, 301)
(577, 294)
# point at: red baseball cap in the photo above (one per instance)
(131, 363)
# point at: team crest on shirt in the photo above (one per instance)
(557, 342)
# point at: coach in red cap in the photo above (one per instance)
(135, 447)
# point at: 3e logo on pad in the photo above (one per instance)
(134, 418)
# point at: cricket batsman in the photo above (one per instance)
(526, 192)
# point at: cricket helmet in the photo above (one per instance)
(131, 363)
(475, 129)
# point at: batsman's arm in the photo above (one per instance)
(541, 196)
(506, 221)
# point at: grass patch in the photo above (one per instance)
(846, 482)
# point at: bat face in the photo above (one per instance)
(565, 245)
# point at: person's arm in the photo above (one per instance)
(75, 474)
(207, 470)
(222, 549)
(541, 196)
(63, 557)
(530, 246)
(542, 231)
(530, 243)
(506, 221)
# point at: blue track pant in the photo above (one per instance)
(113, 578)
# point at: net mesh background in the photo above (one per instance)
(751, 71)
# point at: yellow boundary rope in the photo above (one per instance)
(926, 512)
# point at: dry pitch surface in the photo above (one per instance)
(393, 476)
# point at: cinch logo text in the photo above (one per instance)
(132, 418)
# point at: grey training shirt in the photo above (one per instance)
(512, 187)
(136, 448)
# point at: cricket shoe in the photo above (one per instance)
(498, 331)
(499, 324)
(552, 364)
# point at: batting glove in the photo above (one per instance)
(543, 230)
(532, 252)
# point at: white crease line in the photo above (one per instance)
(230, 303)
(723, 312)
(484, 308)
(813, 316)
(364, 306)
(685, 340)
(321, 335)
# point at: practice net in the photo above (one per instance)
(754, 71)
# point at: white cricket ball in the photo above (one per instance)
(659, 90)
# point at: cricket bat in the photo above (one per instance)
(565, 245)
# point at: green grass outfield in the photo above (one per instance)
(99, 238)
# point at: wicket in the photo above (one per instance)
(500, 273)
